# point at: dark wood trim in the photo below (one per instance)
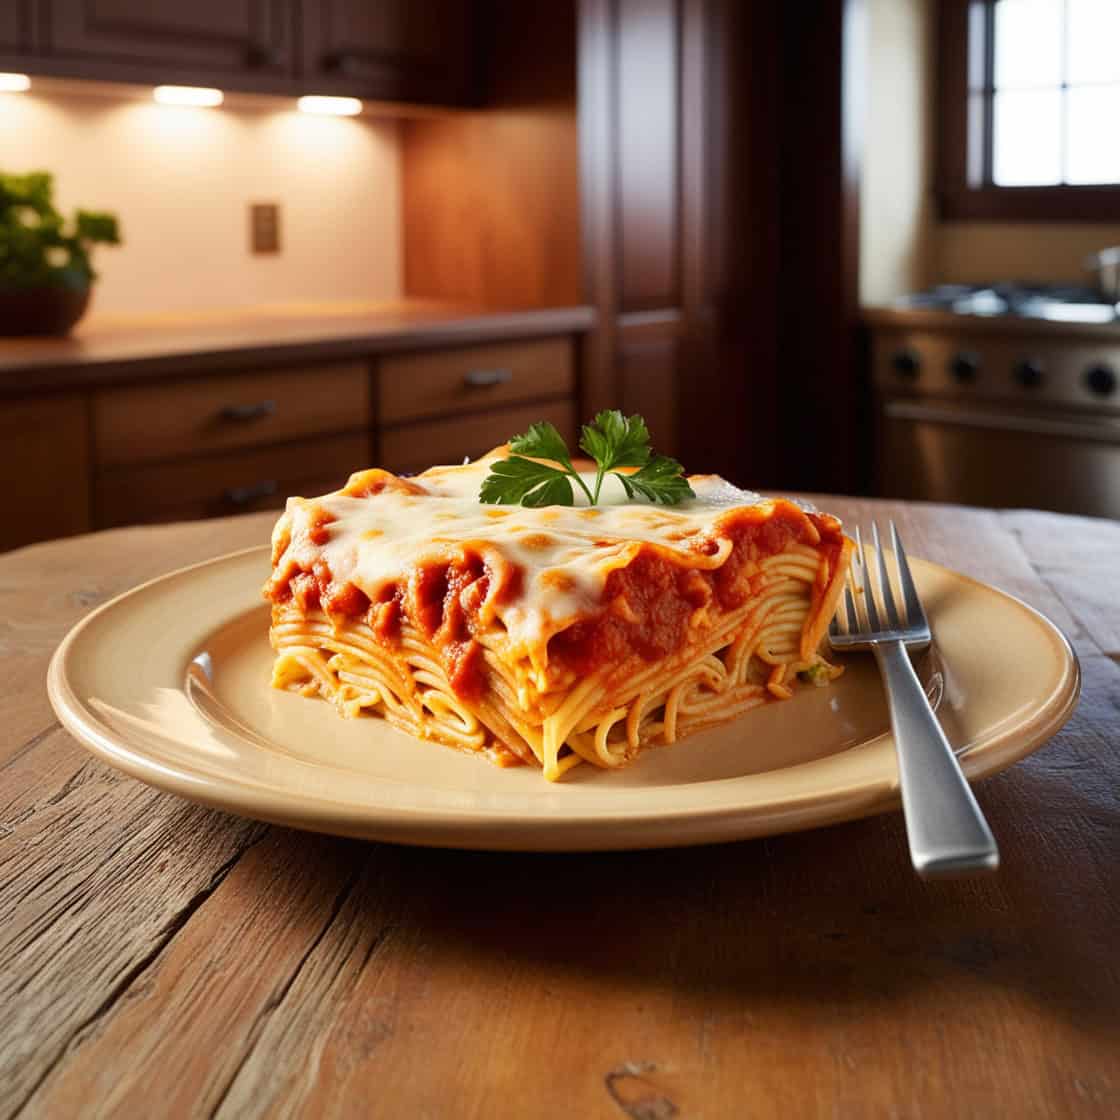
(1031, 204)
(965, 190)
(596, 71)
(822, 410)
(659, 319)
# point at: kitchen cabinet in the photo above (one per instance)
(44, 469)
(473, 378)
(176, 447)
(139, 424)
(390, 50)
(258, 478)
(410, 449)
(633, 232)
(16, 25)
(200, 40)
(719, 159)
(406, 50)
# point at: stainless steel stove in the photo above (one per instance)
(1005, 396)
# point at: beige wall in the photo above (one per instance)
(181, 181)
(896, 232)
(980, 252)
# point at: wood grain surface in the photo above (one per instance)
(158, 958)
(110, 351)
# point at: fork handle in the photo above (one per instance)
(947, 831)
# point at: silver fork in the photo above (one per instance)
(947, 831)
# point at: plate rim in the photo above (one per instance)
(502, 830)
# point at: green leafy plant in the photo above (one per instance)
(40, 248)
(611, 439)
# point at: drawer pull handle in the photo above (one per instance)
(481, 378)
(246, 495)
(240, 413)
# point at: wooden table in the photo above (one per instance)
(158, 958)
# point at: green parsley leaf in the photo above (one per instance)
(518, 481)
(542, 441)
(612, 440)
(660, 480)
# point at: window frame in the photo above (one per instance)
(964, 137)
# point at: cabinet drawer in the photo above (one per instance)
(236, 482)
(419, 446)
(143, 423)
(438, 382)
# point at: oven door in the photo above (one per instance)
(987, 456)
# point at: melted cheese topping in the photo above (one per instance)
(565, 552)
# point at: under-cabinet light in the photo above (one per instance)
(199, 96)
(14, 83)
(330, 106)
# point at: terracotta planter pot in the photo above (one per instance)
(47, 310)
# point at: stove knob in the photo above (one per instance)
(1028, 373)
(965, 367)
(906, 364)
(1100, 380)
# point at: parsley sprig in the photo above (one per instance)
(611, 439)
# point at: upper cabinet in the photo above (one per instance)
(202, 38)
(406, 50)
(390, 50)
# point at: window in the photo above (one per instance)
(1029, 106)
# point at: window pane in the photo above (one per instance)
(1028, 43)
(1026, 145)
(1094, 41)
(1093, 135)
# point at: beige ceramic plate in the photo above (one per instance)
(169, 683)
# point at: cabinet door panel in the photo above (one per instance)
(410, 50)
(203, 35)
(648, 372)
(648, 159)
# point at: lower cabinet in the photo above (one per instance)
(44, 469)
(178, 449)
(416, 447)
(220, 485)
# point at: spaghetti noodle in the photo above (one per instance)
(551, 636)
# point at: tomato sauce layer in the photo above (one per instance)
(648, 604)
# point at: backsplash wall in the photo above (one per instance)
(181, 181)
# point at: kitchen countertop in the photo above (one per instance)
(153, 950)
(120, 349)
(924, 319)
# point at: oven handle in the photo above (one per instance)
(1003, 422)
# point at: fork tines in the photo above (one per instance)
(879, 619)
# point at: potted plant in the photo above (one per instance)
(45, 270)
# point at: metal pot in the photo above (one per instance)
(1105, 266)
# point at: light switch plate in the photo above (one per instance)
(264, 227)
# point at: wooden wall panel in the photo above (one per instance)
(824, 399)
(647, 147)
(491, 198)
(647, 362)
(731, 244)
(630, 154)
